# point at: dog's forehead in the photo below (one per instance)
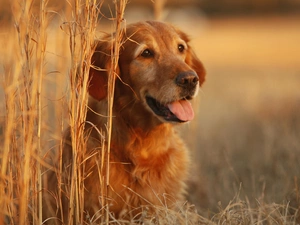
(154, 32)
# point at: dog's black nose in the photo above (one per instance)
(187, 79)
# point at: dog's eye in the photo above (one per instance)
(147, 53)
(181, 47)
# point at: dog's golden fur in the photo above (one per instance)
(148, 160)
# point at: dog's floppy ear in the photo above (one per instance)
(192, 60)
(99, 70)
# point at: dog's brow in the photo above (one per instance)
(183, 43)
(139, 49)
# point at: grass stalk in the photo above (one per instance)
(116, 43)
(158, 9)
(41, 50)
(82, 33)
(24, 35)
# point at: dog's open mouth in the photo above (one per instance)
(177, 111)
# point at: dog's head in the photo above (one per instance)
(158, 65)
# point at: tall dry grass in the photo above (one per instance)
(23, 154)
(21, 176)
(81, 30)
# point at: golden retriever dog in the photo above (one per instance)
(158, 75)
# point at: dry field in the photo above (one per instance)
(250, 105)
(245, 141)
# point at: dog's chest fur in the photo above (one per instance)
(146, 168)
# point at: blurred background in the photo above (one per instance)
(245, 139)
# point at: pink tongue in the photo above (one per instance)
(182, 110)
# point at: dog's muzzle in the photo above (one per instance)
(179, 110)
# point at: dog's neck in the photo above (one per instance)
(129, 128)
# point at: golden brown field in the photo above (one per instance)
(245, 140)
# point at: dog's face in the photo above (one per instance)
(161, 69)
